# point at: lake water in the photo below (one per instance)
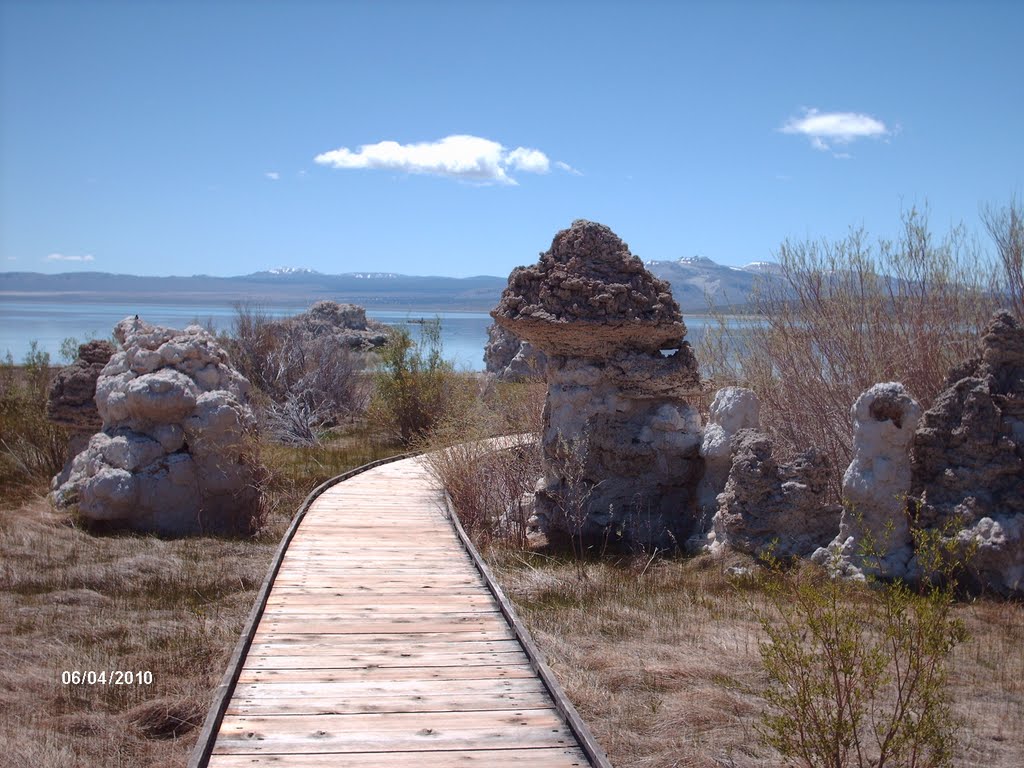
(463, 334)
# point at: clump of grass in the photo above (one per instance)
(487, 479)
(32, 448)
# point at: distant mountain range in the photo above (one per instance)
(693, 280)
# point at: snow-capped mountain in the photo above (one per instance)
(699, 283)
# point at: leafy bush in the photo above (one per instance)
(857, 673)
(848, 314)
(415, 388)
(32, 449)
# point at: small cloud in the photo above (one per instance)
(272, 175)
(529, 160)
(567, 168)
(63, 257)
(467, 158)
(12, 258)
(826, 129)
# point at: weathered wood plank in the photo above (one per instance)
(409, 644)
(376, 688)
(386, 674)
(360, 660)
(443, 702)
(493, 758)
(392, 732)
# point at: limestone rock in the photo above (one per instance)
(175, 452)
(588, 296)
(733, 409)
(968, 458)
(620, 443)
(510, 358)
(71, 399)
(875, 487)
(771, 507)
(346, 324)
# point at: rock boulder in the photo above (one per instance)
(176, 454)
(968, 459)
(510, 358)
(768, 507)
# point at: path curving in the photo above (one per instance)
(383, 641)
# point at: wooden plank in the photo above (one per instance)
(393, 732)
(409, 645)
(385, 674)
(379, 688)
(382, 599)
(447, 701)
(384, 660)
(384, 625)
(496, 632)
(550, 757)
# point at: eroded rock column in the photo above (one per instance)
(874, 532)
(620, 442)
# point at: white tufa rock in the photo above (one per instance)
(174, 455)
(875, 487)
(733, 409)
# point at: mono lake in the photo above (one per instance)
(463, 334)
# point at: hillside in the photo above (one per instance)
(692, 280)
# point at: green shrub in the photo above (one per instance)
(415, 387)
(857, 673)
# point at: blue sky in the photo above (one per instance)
(456, 138)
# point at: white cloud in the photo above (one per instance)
(272, 175)
(826, 129)
(12, 258)
(469, 158)
(62, 257)
(567, 168)
(529, 160)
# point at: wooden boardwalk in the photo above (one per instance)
(381, 644)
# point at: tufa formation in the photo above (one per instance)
(620, 443)
(175, 455)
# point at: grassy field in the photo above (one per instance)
(661, 659)
(71, 600)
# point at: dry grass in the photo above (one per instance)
(70, 600)
(661, 658)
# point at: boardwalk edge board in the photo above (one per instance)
(588, 743)
(207, 737)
